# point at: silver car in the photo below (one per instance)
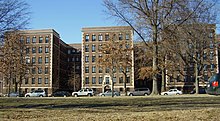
(109, 93)
(172, 92)
(140, 92)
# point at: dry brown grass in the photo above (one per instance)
(158, 108)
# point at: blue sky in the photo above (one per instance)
(67, 17)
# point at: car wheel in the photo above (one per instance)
(64, 95)
(40, 95)
(27, 95)
(103, 95)
(177, 94)
(131, 94)
(145, 94)
(89, 95)
(165, 94)
(75, 95)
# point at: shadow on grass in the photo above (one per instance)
(122, 104)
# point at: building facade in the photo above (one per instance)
(48, 57)
(95, 77)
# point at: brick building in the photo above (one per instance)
(92, 75)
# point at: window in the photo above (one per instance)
(204, 55)
(87, 38)
(46, 39)
(120, 79)
(39, 60)
(40, 39)
(22, 40)
(69, 51)
(107, 70)
(93, 80)
(87, 80)
(100, 47)
(205, 67)
(27, 50)
(46, 70)
(93, 48)
(28, 60)
(77, 59)
(33, 71)
(46, 49)
(127, 46)
(100, 80)
(107, 80)
(33, 60)
(34, 40)
(206, 77)
(87, 59)
(127, 79)
(73, 59)
(46, 80)
(26, 80)
(93, 58)
(73, 50)
(100, 37)
(211, 55)
(100, 69)
(127, 37)
(127, 69)
(106, 37)
(46, 59)
(120, 37)
(39, 80)
(33, 80)
(39, 70)
(28, 40)
(93, 69)
(93, 37)
(86, 48)
(114, 79)
(33, 49)
(87, 69)
(40, 50)
(212, 67)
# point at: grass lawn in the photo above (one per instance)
(150, 108)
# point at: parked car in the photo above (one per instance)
(36, 93)
(201, 91)
(140, 92)
(61, 94)
(83, 92)
(172, 92)
(14, 94)
(213, 85)
(109, 93)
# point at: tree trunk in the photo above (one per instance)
(196, 79)
(163, 80)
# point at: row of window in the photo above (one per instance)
(107, 37)
(34, 49)
(107, 80)
(34, 40)
(39, 80)
(100, 46)
(72, 51)
(40, 70)
(40, 60)
(73, 59)
(107, 70)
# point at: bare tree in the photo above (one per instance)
(149, 18)
(117, 55)
(74, 80)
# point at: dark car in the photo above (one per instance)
(213, 85)
(201, 91)
(61, 94)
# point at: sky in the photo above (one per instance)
(68, 17)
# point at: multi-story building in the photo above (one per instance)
(198, 51)
(92, 75)
(49, 58)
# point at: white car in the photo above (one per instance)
(36, 93)
(172, 92)
(83, 92)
